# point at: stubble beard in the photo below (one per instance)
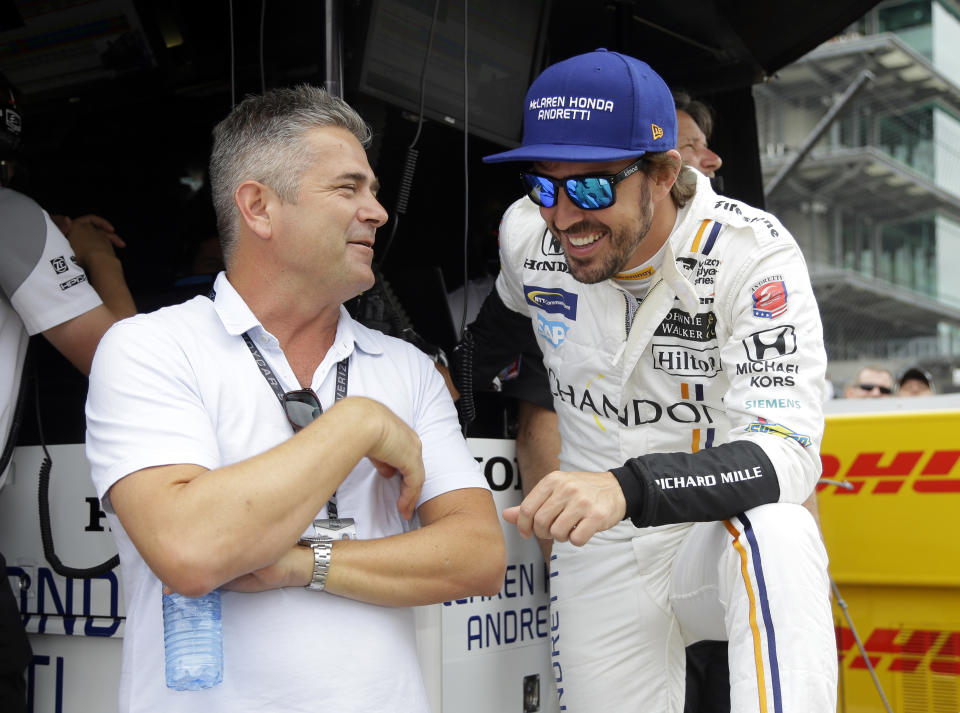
(624, 242)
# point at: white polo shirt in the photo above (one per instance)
(180, 386)
(41, 286)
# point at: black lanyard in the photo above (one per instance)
(343, 369)
(341, 391)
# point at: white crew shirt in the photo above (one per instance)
(41, 286)
(180, 386)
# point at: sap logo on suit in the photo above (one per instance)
(553, 332)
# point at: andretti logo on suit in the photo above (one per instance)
(769, 297)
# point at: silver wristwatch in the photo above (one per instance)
(322, 548)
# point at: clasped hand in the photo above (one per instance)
(89, 235)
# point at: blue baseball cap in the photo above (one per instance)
(599, 106)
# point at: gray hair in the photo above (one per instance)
(684, 188)
(263, 139)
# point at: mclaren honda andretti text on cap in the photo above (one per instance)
(599, 106)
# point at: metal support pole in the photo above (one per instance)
(856, 637)
(846, 613)
(865, 76)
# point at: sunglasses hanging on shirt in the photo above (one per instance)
(302, 406)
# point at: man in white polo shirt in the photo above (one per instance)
(205, 483)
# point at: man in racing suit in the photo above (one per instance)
(685, 355)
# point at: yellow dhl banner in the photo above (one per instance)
(891, 533)
(894, 518)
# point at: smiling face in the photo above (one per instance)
(692, 145)
(328, 233)
(600, 243)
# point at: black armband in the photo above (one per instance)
(712, 484)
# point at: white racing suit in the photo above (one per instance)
(705, 401)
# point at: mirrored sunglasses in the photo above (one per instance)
(585, 192)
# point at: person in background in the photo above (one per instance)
(60, 278)
(872, 382)
(694, 128)
(225, 431)
(915, 381)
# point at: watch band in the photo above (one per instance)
(322, 550)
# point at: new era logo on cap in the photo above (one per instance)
(599, 106)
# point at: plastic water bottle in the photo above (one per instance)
(193, 639)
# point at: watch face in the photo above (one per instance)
(344, 528)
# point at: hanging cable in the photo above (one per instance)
(233, 63)
(423, 71)
(43, 505)
(466, 175)
(263, 18)
(410, 162)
